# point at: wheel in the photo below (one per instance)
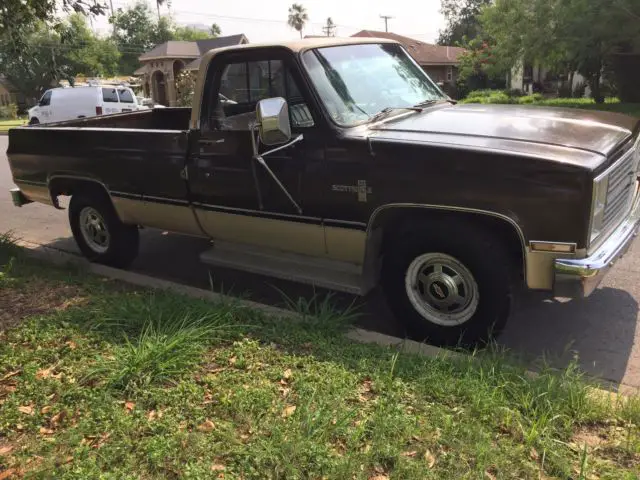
(449, 285)
(99, 233)
(34, 121)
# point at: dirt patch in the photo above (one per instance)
(35, 298)
(592, 437)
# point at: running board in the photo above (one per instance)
(324, 273)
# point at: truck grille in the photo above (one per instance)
(620, 191)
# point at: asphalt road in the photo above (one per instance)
(602, 331)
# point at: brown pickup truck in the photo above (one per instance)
(339, 163)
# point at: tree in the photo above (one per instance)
(568, 35)
(85, 53)
(159, 3)
(137, 32)
(463, 20)
(16, 15)
(297, 17)
(189, 34)
(215, 30)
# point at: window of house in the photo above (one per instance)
(242, 85)
(110, 95)
(449, 74)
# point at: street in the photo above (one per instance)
(602, 330)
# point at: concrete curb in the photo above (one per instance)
(359, 335)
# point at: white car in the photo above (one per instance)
(60, 104)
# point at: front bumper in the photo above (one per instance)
(18, 197)
(578, 278)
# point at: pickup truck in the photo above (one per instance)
(340, 163)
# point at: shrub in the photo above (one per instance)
(529, 99)
(9, 112)
(626, 69)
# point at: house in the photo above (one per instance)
(440, 62)
(533, 78)
(162, 64)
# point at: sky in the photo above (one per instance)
(264, 20)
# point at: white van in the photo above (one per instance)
(60, 104)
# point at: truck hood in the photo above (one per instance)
(582, 137)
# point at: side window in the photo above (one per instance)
(45, 101)
(243, 84)
(109, 95)
(125, 95)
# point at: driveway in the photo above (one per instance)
(602, 331)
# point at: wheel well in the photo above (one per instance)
(388, 224)
(70, 186)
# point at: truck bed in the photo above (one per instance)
(136, 154)
(152, 119)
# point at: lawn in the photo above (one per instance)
(500, 97)
(5, 125)
(99, 379)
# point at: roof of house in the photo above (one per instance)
(182, 49)
(424, 53)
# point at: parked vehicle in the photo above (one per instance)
(148, 103)
(61, 104)
(298, 165)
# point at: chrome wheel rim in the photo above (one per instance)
(441, 289)
(94, 230)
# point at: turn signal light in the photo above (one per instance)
(553, 247)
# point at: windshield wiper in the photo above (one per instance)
(428, 103)
(386, 111)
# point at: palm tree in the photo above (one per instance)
(159, 3)
(297, 17)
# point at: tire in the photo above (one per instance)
(99, 233)
(34, 121)
(454, 259)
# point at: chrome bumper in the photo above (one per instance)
(578, 278)
(18, 197)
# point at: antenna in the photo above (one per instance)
(386, 20)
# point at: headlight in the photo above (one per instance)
(600, 186)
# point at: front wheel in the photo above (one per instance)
(449, 285)
(34, 121)
(99, 233)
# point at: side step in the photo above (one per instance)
(324, 273)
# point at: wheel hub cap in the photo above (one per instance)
(441, 289)
(94, 230)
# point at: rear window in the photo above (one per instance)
(125, 95)
(109, 95)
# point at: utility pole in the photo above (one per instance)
(386, 21)
(114, 25)
(329, 28)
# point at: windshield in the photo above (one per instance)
(357, 81)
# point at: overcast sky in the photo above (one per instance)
(264, 20)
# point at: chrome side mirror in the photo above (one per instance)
(272, 115)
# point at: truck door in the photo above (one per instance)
(235, 199)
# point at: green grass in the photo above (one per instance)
(104, 380)
(500, 97)
(5, 125)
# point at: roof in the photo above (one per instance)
(182, 49)
(140, 71)
(424, 53)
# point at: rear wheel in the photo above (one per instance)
(99, 233)
(449, 285)
(34, 121)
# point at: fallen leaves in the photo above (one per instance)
(288, 411)
(410, 454)
(26, 409)
(379, 477)
(287, 374)
(129, 406)
(6, 449)
(48, 373)
(71, 344)
(46, 431)
(95, 441)
(429, 458)
(46, 409)
(218, 467)
(206, 426)
(7, 376)
(58, 417)
(7, 473)
(233, 360)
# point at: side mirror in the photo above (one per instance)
(272, 115)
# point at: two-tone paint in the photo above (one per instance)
(527, 171)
